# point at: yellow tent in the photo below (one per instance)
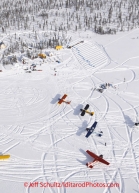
(4, 156)
(59, 47)
(42, 55)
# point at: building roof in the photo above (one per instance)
(59, 47)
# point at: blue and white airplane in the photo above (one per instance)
(91, 129)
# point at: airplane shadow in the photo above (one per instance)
(77, 109)
(88, 157)
(82, 128)
(55, 99)
(128, 121)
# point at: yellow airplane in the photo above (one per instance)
(90, 113)
(4, 157)
(85, 111)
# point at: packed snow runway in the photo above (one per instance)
(47, 141)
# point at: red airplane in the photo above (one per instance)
(96, 159)
(62, 100)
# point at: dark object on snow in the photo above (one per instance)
(103, 86)
(91, 129)
(99, 90)
(83, 110)
(105, 144)
(99, 135)
(136, 124)
(34, 69)
(28, 71)
(33, 65)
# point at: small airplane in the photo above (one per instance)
(62, 100)
(83, 111)
(96, 159)
(91, 129)
(4, 157)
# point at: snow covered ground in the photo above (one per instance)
(47, 141)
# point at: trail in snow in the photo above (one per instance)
(48, 134)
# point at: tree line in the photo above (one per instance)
(100, 16)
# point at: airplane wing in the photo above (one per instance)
(103, 161)
(86, 107)
(97, 158)
(83, 112)
(92, 128)
(61, 100)
(64, 96)
(90, 131)
(92, 154)
(4, 156)
(94, 125)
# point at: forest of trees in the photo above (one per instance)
(31, 44)
(57, 17)
(100, 16)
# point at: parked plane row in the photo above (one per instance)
(90, 130)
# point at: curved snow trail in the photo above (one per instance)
(53, 134)
(121, 37)
(9, 148)
(117, 67)
(129, 141)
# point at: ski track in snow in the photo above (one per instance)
(51, 129)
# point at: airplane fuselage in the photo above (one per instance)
(91, 164)
(67, 102)
(90, 113)
(92, 129)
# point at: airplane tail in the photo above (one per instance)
(67, 102)
(92, 113)
(89, 165)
